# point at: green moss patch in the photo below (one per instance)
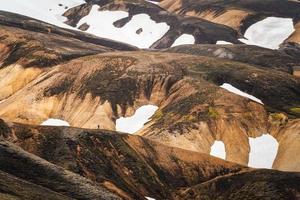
(295, 110)
(277, 116)
(212, 113)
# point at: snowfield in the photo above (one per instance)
(136, 122)
(218, 149)
(47, 11)
(184, 39)
(263, 151)
(269, 33)
(233, 89)
(55, 122)
(101, 24)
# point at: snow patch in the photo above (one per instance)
(136, 122)
(263, 151)
(269, 33)
(223, 42)
(233, 89)
(184, 39)
(55, 122)
(101, 24)
(218, 149)
(154, 2)
(47, 11)
(149, 198)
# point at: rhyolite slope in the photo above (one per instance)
(193, 109)
(111, 164)
(97, 84)
(203, 31)
(284, 59)
(238, 14)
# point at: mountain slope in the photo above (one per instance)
(236, 186)
(203, 31)
(15, 188)
(42, 80)
(40, 172)
(185, 87)
(244, 13)
(127, 165)
(138, 23)
(261, 57)
(210, 95)
(239, 15)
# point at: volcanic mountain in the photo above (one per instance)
(238, 14)
(111, 58)
(73, 163)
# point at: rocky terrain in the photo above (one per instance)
(50, 72)
(202, 30)
(193, 108)
(238, 14)
(282, 60)
(52, 158)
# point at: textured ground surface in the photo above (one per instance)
(129, 166)
(50, 72)
(193, 110)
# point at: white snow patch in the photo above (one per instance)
(233, 89)
(136, 122)
(218, 149)
(269, 33)
(47, 11)
(149, 198)
(184, 39)
(154, 2)
(101, 24)
(55, 122)
(223, 42)
(263, 151)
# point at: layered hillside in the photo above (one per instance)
(129, 166)
(285, 59)
(238, 14)
(193, 109)
(139, 23)
(91, 63)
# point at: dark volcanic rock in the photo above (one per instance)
(12, 188)
(139, 31)
(31, 168)
(30, 48)
(292, 49)
(237, 186)
(283, 60)
(76, 13)
(4, 129)
(122, 22)
(84, 27)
